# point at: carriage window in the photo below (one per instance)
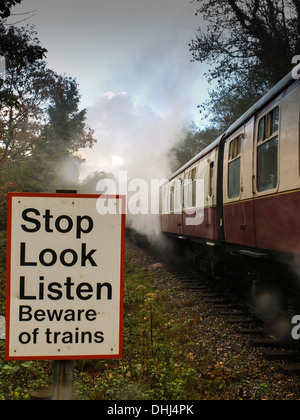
(268, 125)
(168, 200)
(194, 183)
(267, 151)
(190, 189)
(178, 196)
(172, 196)
(164, 200)
(234, 167)
(275, 120)
(235, 148)
(261, 130)
(211, 179)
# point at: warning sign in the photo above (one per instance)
(65, 273)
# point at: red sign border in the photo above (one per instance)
(8, 275)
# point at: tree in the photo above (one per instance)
(41, 126)
(40, 120)
(5, 7)
(89, 184)
(249, 43)
(23, 93)
(9, 182)
(193, 142)
(55, 156)
(66, 129)
(229, 101)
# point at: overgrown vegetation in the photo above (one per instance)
(250, 46)
(162, 360)
(42, 126)
(154, 364)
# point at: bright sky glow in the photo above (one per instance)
(132, 62)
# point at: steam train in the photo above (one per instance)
(246, 211)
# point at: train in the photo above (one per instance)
(237, 203)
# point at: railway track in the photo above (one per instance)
(229, 341)
(271, 335)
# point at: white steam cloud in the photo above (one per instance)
(131, 137)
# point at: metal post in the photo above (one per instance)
(63, 379)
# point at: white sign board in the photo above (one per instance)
(65, 277)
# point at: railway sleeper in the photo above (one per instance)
(283, 354)
(291, 369)
(251, 331)
(270, 342)
(241, 320)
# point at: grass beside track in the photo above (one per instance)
(154, 365)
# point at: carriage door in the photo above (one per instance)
(178, 205)
(233, 209)
(238, 192)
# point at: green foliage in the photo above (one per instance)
(41, 125)
(22, 91)
(18, 379)
(193, 142)
(54, 157)
(5, 188)
(5, 7)
(154, 366)
(258, 36)
(249, 45)
(89, 184)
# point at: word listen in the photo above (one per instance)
(66, 290)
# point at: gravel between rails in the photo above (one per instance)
(218, 351)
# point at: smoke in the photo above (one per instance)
(131, 137)
(68, 173)
(135, 139)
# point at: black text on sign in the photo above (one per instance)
(65, 277)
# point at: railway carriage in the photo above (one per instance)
(249, 197)
(184, 198)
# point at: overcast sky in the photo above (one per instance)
(132, 62)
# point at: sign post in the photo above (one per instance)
(65, 277)
(63, 380)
